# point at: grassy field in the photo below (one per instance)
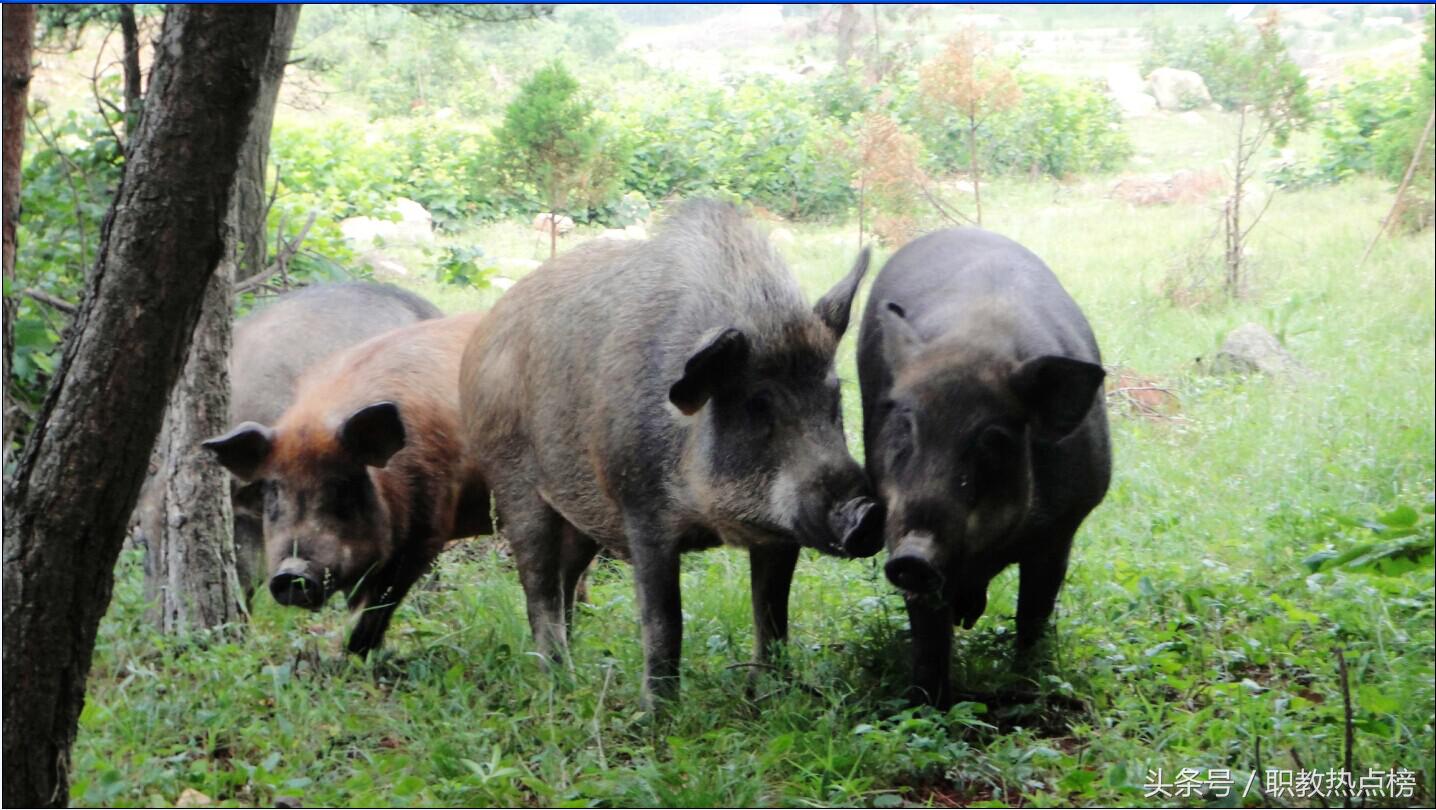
(1190, 634)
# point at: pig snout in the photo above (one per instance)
(294, 585)
(913, 564)
(858, 526)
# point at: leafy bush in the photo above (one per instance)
(1192, 48)
(1373, 123)
(1368, 129)
(71, 169)
(1061, 127)
(756, 141)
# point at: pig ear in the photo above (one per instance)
(242, 450)
(715, 366)
(373, 433)
(1058, 391)
(900, 340)
(835, 307)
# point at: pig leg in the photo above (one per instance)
(574, 558)
(931, 620)
(380, 597)
(771, 573)
(1039, 579)
(535, 533)
(660, 611)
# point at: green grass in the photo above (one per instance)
(1189, 631)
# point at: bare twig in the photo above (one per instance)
(284, 253)
(70, 171)
(52, 301)
(953, 216)
(1417, 158)
(598, 718)
(100, 100)
(1271, 195)
(1350, 723)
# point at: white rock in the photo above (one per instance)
(1178, 89)
(414, 226)
(541, 223)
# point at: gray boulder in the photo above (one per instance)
(1249, 348)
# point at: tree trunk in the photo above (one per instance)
(190, 576)
(973, 167)
(1233, 211)
(252, 203)
(19, 43)
(134, 91)
(185, 513)
(847, 31)
(68, 504)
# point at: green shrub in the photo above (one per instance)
(756, 141)
(1060, 127)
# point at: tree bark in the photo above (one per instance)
(19, 44)
(134, 91)
(186, 516)
(68, 504)
(252, 203)
(973, 166)
(190, 575)
(847, 31)
(1233, 212)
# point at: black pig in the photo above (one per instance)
(985, 429)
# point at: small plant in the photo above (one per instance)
(556, 142)
(966, 79)
(1271, 103)
(464, 266)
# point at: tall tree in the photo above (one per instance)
(187, 520)
(19, 43)
(251, 205)
(67, 507)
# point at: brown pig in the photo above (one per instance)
(273, 346)
(362, 476)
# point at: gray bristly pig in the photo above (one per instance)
(659, 397)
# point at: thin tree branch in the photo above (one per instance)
(52, 301)
(70, 170)
(1417, 158)
(286, 252)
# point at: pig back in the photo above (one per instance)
(567, 381)
(973, 282)
(276, 344)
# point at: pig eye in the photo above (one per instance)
(904, 436)
(967, 489)
(345, 495)
(759, 409)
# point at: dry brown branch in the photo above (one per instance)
(285, 250)
(1416, 159)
